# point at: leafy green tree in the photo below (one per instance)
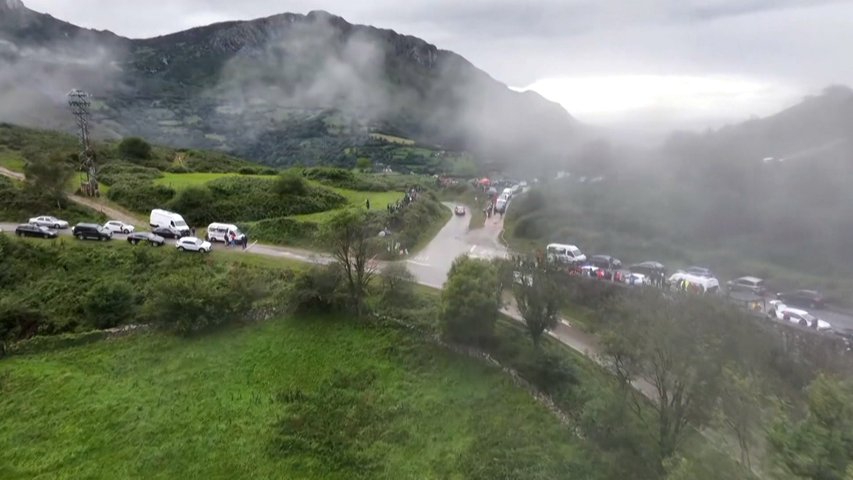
(109, 303)
(669, 351)
(364, 164)
(48, 175)
(469, 304)
(352, 237)
(538, 296)
(740, 408)
(290, 184)
(398, 285)
(819, 447)
(134, 148)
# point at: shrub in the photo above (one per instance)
(397, 286)
(317, 289)
(140, 196)
(134, 148)
(109, 304)
(288, 183)
(184, 303)
(283, 230)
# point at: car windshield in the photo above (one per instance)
(180, 223)
(575, 252)
(43, 229)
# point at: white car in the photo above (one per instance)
(632, 278)
(119, 227)
(193, 244)
(708, 284)
(49, 222)
(565, 254)
(797, 316)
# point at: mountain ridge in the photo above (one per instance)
(284, 89)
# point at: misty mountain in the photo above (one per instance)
(284, 89)
(818, 128)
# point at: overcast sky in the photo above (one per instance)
(672, 63)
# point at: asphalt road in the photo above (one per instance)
(430, 265)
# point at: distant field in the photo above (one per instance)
(11, 160)
(356, 199)
(392, 139)
(293, 398)
(180, 181)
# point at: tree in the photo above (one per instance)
(667, 350)
(740, 408)
(134, 148)
(109, 303)
(538, 296)
(820, 447)
(290, 183)
(363, 164)
(49, 175)
(397, 285)
(351, 234)
(469, 305)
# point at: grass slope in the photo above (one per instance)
(181, 181)
(293, 398)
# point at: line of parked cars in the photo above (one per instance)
(695, 279)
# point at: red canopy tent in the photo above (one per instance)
(485, 181)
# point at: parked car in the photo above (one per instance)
(707, 284)
(606, 262)
(459, 210)
(561, 253)
(804, 298)
(166, 232)
(500, 204)
(632, 278)
(116, 226)
(91, 231)
(798, 316)
(649, 269)
(49, 222)
(155, 240)
(747, 284)
(700, 271)
(193, 244)
(33, 230)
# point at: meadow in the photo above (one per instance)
(308, 397)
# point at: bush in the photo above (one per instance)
(134, 148)
(140, 196)
(283, 230)
(123, 172)
(397, 286)
(109, 304)
(317, 289)
(288, 183)
(185, 303)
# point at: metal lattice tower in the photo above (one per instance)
(79, 103)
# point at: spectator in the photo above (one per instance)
(367, 203)
(192, 231)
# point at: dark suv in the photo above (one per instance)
(91, 231)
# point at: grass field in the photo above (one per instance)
(180, 181)
(293, 398)
(11, 160)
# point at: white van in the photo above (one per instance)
(560, 253)
(507, 192)
(219, 232)
(169, 220)
(500, 204)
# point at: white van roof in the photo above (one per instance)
(229, 226)
(562, 245)
(159, 211)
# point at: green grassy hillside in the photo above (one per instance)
(293, 398)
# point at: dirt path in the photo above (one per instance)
(111, 212)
